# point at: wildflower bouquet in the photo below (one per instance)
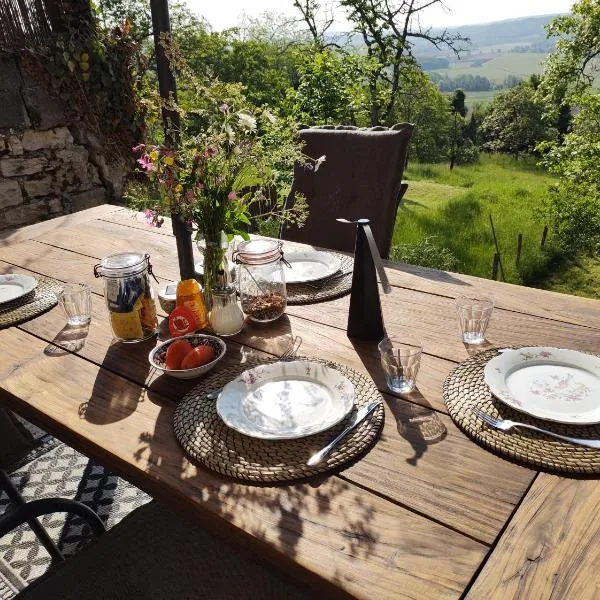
(228, 176)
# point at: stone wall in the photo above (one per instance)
(50, 165)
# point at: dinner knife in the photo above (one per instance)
(360, 416)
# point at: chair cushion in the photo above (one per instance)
(360, 178)
(154, 553)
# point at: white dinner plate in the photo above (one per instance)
(548, 383)
(15, 286)
(286, 400)
(310, 266)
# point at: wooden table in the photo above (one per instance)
(410, 520)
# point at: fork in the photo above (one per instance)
(506, 425)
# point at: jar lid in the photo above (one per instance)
(122, 264)
(258, 252)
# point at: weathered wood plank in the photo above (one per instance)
(551, 548)
(328, 342)
(542, 303)
(409, 314)
(418, 450)
(366, 545)
(26, 233)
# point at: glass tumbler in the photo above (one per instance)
(401, 364)
(474, 315)
(76, 301)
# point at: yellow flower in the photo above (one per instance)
(169, 161)
(178, 189)
(154, 155)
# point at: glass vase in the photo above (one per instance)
(214, 250)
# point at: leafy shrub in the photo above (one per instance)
(425, 253)
(467, 153)
(574, 210)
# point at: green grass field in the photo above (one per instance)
(498, 67)
(452, 208)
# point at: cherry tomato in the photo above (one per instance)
(199, 356)
(176, 352)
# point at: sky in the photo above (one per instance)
(227, 13)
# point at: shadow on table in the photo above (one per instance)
(416, 421)
(263, 509)
(276, 337)
(427, 273)
(71, 338)
(113, 397)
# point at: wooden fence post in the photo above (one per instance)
(544, 235)
(495, 263)
(497, 248)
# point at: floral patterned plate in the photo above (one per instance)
(548, 383)
(15, 286)
(286, 400)
(310, 266)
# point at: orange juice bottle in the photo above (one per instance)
(189, 294)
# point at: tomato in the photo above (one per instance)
(199, 356)
(176, 352)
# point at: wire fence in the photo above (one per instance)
(31, 23)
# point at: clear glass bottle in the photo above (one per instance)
(129, 295)
(226, 317)
(261, 279)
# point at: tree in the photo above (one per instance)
(330, 89)
(387, 28)
(514, 122)
(459, 112)
(419, 101)
(567, 81)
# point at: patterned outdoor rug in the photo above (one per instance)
(55, 469)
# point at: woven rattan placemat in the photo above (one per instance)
(465, 390)
(206, 438)
(327, 289)
(40, 300)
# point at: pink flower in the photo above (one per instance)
(199, 186)
(224, 108)
(138, 148)
(189, 195)
(210, 151)
(152, 218)
(145, 162)
(232, 196)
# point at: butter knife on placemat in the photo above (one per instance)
(360, 416)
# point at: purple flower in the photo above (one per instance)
(224, 108)
(232, 196)
(210, 151)
(145, 162)
(138, 148)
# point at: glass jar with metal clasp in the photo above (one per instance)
(261, 280)
(129, 295)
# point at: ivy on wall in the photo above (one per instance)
(95, 72)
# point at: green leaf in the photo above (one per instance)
(248, 176)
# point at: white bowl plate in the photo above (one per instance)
(158, 355)
(549, 383)
(310, 266)
(286, 400)
(15, 286)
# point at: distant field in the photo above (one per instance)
(452, 209)
(498, 67)
(481, 97)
